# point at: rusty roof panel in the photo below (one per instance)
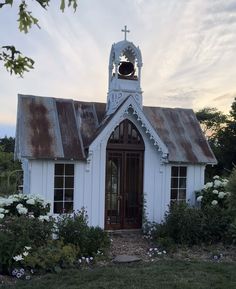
(87, 119)
(37, 133)
(70, 139)
(181, 132)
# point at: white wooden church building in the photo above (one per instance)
(109, 157)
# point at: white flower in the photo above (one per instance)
(217, 183)
(216, 177)
(208, 185)
(28, 248)
(91, 258)
(21, 209)
(199, 199)
(30, 202)
(5, 202)
(214, 202)
(215, 192)
(44, 218)
(2, 216)
(2, 210)
(87, 260)
(225, 182)
(14, 272)
(221, 195)
(18, 258)
(25, 253)
(164, 252)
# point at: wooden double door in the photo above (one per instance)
(124, 181)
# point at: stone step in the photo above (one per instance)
(126, 259)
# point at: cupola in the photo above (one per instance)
(124, 73)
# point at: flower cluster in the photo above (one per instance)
(214, 193)
(155, 252)
(21, 204)
(20, 273)
(217, 257)
(85, 260)
(99, 253)
(25, 253)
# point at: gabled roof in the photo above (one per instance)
(52, 128)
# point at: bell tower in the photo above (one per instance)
(124, 73)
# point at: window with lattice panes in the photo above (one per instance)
(63, 188)
(178, 183)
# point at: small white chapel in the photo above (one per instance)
(112, 158)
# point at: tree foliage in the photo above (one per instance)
(10, 170)
(220, 129)
(13, 60)
(7, 144)
(211, 120)
(226, 141)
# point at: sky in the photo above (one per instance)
(188, 49)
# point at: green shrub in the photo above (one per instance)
(231, 187)
(97, 240)
(17, 233)
(190, 226)
(215, 225)
(74, 229)
(51, 257)
(183, 224)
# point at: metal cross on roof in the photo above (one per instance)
(125, 31)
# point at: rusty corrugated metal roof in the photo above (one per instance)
(51, 128)
(180, 131)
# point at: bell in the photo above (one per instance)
(126, 68)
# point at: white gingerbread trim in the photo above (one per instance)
(128, 107)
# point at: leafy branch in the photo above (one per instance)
(14, 61)
(12, 58)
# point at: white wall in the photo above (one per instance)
(89, 189)
(195, 181)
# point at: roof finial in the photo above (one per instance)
(125, 31)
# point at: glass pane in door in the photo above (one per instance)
(133, 190)
(113, 190)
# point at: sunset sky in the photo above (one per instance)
(188, 49)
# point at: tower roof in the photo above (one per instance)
(127, 49)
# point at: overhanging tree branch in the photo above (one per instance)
(12, 58)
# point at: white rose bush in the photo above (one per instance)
(24, 223)
(32, 240)
(214, 193)
(21, 204)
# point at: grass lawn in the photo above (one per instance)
(161, 274)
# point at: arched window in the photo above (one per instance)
(126, 135)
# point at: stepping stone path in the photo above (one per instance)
(126, 259)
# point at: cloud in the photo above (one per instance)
(188, 50)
